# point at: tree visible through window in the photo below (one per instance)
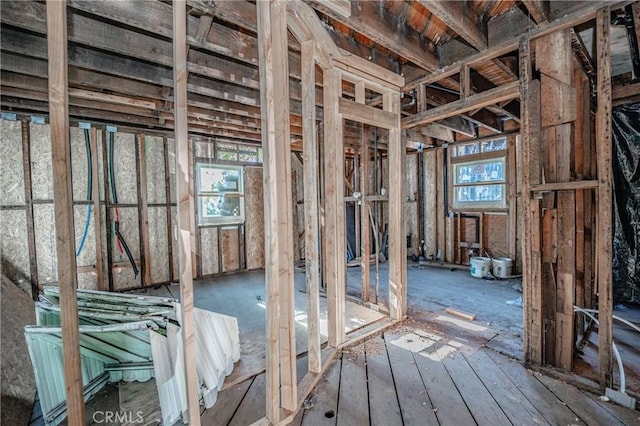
(480, 182)
(220, 194)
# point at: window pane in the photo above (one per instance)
(494, 145)
(480, 171)
(467, 149)
(480, 194)
(203, 149)
(214, 179)
(249, 157)
(220, 206)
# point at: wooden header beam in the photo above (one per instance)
(63, 207)
(367, 114)
(490, 97)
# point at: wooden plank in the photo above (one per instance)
(549, 236)
(143, 214)
(311, 206)
(553, 410)
(383, 400)
(564, 109)
(556, 50)
(324, 411)
(274, 94)
(561, 186)
(604, 203)
(365, 247)
(375, 77)
(565, 285)
(483, 408)
(460, 18)
(366, 114)
(439, 213)
(252, 406)
(353, 400)
(28, 198)
(493, 96)
(512, 402)
(585, 407)
(396, 154)
(448, 405)
(63, 207)
(226, 405)
(334, 208)
(97, 207)
(512, 219)
(410, 377)
(167, 189)
(185, 210)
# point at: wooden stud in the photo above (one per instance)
(97, 208)
(512, 188)
(311, 208)
(397, 242)
(28, 200)
(565, 290)
(185, 208)
(107, 207)
(604, 248)
(280, 362)
(143, 216)
(365, 248)
(63, 207)
(167, 192)
(334, 207)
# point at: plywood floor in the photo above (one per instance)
(411, 376)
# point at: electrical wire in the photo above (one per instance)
(122, 244)
(87, 219)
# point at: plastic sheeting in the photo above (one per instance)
(626, 206)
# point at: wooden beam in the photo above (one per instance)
(280, 362)
(373, 75)
(458, 16)
(539, 10)
(562, 186)
(605, 197)
(63, 208)
(334, 208)
(97, 207)
(366, 114)
(311, 206)
(144, 210)
(397, 241)
(28, 200)
(480, 100)
(365, 18)
(185, 212)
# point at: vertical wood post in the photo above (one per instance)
(185, 207)
(365, 222)
(605, 197)
(334, 207)
(311, 209)
(63, 207)
(97, 208)
(397, 241)
(167, 191)
(143, 219)
(28, 201)
(274, 96)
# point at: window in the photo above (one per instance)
(220, 194)
(479, 174)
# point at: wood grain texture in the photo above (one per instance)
(63, 206)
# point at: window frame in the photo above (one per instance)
(202, 219)
(457, 160)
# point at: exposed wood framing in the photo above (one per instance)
(365, 247)
(167, 192)
(512, 218)
(366, 114)
(143, 215)
(397, 245)
(28, 200)
(311, 206)
(63, 207)
(185, 209)
(456, 14)
(97, 208)
(280, 363)
(334, 208)
(538, 9)
(604, 248)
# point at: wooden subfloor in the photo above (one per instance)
(409, 376)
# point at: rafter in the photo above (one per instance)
(458, 17)
(538, 9)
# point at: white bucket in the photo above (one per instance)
(502, 267)
(480, 266)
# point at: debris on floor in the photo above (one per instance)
(129, 338)
(515, 302)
